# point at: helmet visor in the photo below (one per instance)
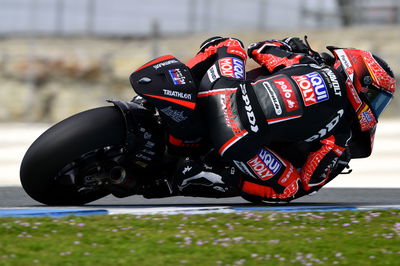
(378, 100)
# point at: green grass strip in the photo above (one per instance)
(248, 238)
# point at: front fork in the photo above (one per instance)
(145, 148)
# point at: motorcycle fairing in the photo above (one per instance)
(168, 84)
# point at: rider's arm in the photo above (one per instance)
(275, 55)
(226, 54)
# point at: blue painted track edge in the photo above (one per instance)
(50, 212)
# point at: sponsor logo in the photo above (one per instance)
(231, 67)
(177, 94)
(150, 144)
(345, 63)
(328, 128)
(149, 152)
(177, 77)
(142, 156)
(335, 83)
(274, 98)
(212, 74)
(230, 118)
(212, 179)
(287, 93)
(249, 110)
(367, 119)
(175, 115)
(350, 71)
(146, 134)
(312, 88)
(166, 63)
(265, 165)
(353, 95)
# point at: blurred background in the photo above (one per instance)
(60, 57)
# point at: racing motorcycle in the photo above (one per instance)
(122, 149)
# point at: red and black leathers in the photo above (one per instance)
(287, 131)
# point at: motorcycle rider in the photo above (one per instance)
(290, 129)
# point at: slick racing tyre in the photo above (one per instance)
(62, 144)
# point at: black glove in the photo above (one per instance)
(297, 45)
(215, 41)
(341, 164)
(211, 41)
(258, 45)
(254, 46)
(328, 59)
(205, 59)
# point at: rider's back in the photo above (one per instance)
(303, 103)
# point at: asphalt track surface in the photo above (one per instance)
(12, 197)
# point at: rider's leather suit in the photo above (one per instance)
(287, 130)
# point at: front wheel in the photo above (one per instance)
(62, 144)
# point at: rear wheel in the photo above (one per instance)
(63, 143)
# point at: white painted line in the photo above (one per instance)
(168, 210)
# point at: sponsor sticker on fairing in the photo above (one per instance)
(177, 77)
(231, 67)
(165, 63)
(176, 115)
(177, 94)
(265, 164)
(312, 87)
